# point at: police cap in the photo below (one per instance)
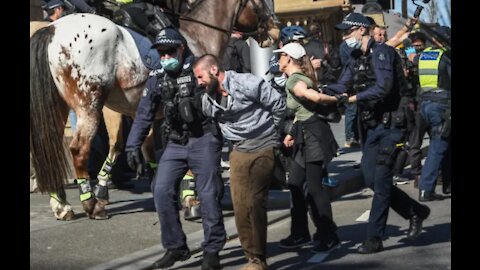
(351, 20)
(168, 37)
(53, 4)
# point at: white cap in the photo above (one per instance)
(293, 49)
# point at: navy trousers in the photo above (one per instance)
(202, 155)
(379, 177)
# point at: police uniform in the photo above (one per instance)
(434, 74)
(193, 142)
(377, 77)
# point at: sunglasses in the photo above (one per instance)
(170, 51)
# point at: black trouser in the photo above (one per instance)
(415, 141)
(377, 172)
(311, 175)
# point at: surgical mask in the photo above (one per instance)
(170, 64)
(352, 42)
(280, 80)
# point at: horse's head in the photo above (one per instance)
(209, 34)
(258, 19)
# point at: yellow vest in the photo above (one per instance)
(124, 1)
(428, 68)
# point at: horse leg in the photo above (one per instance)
(60, 207)
(87, 125)
(113, 123)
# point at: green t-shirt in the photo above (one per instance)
(301, 112)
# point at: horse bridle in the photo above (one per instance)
(262, 21)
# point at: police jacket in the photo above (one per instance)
(181, 99)
(376, 76)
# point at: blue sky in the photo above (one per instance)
(442, 13)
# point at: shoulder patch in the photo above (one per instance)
(381, 56)
(156, 72)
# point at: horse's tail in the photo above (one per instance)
(46, 121)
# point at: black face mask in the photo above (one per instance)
(211, 89)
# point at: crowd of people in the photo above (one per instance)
(393, 90)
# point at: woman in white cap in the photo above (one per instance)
(314, 146)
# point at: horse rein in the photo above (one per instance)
(241, 5)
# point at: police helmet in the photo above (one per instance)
(292, 33)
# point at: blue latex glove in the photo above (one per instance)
(409, 51)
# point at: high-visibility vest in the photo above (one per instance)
(124, 1)
(428, 69)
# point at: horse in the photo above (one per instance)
(85, 62)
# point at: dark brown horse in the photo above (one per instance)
(85, 62)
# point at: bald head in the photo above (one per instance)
(208, 73)
(206, 61)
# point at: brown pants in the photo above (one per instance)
(250, 178)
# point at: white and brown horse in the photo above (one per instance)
(85, 62)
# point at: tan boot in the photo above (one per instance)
(255, 264)
(416, 181)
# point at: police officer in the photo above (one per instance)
(55, 10)
(376, 73)
(192, 142)
(434, 68)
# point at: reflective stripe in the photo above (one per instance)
(428, 71)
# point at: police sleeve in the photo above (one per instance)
(145, 116)
(344, 81)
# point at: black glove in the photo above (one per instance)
(134, 160)
(342, 100)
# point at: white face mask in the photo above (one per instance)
(352, 42)
(280, 80)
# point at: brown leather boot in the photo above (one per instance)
(255, 264)
(416, 181)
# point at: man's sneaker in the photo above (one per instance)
(329, 181)
(327, 247)
(399, 180)
(294, 242)
(351, 143)
(211, 261)
(172, 256)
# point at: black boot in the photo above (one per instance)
(371, 245)
(172, 256)
(426, 196)
(416, 222)
(211, 261)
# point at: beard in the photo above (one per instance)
(212, 87)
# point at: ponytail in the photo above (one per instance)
(307, 68)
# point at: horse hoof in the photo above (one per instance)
(68, 216)
(99, 212)
(88, 206)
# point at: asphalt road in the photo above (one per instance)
(130, 238)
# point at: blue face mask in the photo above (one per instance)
(170, 64)
(280, 80)
(353, 43)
